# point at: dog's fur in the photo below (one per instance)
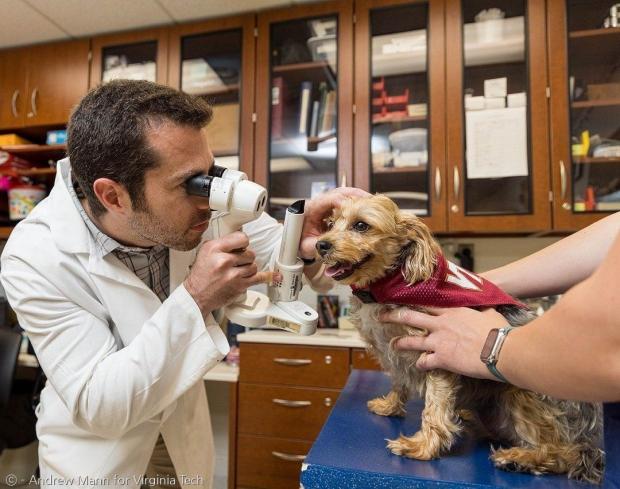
(534, 433)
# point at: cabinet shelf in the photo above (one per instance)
(311, 65)
(611, 31)
(221, 90)
(400, 169)
(394, 120)
(36, 150)
(586, 104)
(587, 160)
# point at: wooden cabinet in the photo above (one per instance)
(139, 55)
(41, 84)
(215, 60)
(400, 104)
(497, 159)
(304, 101)
(585, 112)
(285, 394)
(13, 65)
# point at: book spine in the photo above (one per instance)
(304, 106)
(277, 107)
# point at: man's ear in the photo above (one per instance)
(112, 195)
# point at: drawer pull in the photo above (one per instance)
(293, 404)
(328, 359)
(294, 362)
(327, 401)
(288, 457)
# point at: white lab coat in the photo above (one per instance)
(121, 365)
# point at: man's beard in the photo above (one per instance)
(148, 226)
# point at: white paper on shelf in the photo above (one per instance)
(496, 143)
(135, 71)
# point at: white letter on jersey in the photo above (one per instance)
(462, 278)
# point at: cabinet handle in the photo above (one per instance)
(437, 183)
(288, 457)
(327, 401)
(343, 180)
(562, 180)
(14, 103)
(293, 404)
(294, 362)
(457, 188)
(33, 101)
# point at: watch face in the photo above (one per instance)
(488, 345)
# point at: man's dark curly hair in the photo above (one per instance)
(107, 133)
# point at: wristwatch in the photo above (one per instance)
(492, 347)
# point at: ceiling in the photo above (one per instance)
(25, 22)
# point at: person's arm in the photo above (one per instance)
(572, 351)
(559, 266)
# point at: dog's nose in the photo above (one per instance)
(323, 247)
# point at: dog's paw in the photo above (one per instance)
(385, 406)
(412, 447)
(518, 460)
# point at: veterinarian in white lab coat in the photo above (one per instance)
(102, 285)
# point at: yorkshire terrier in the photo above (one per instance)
(371, 246)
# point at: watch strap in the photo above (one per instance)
(497, 348)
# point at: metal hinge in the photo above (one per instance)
(354, 109)
(254, 117)
(550, 195)
(354, 18)
(90, 56)
(548, 92)
(255, 31)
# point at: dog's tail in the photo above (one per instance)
(590, 465)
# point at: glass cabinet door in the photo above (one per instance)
(301, 103)
(587, 165)
(215, 60)
(133, 56)
(497, 143)
(398, 87)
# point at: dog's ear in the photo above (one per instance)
(422, 255)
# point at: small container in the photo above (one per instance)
(407, 140)
(23, 197)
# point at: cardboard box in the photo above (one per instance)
(517, 99)
(474, 103)
(223, 131)
(12, 140)
(602, 91)
(494, 102)
(496, 87)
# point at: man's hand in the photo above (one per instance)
(224, 268)
(317, 210)
(455, 337)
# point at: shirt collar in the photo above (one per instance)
(104, 244)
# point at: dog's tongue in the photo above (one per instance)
(336, 270)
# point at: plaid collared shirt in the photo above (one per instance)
(151, 265)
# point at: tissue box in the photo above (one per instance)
(474, 103)
(517, 99)
(494, 102)
(56, 137)
(496, 87)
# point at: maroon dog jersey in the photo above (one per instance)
(450, 286)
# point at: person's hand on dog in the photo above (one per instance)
(455, 337)
(316, 210)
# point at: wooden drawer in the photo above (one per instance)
(361, 359)
(269, 463)
(285, 412)
(294, 365)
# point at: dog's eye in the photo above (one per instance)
(329, 224)
(360, 226)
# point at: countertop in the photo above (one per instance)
(350, 451)
(345, 338)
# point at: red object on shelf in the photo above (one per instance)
(379, 86)
(397, 99)
(379, 101)
(391, 115)
(590, 200)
